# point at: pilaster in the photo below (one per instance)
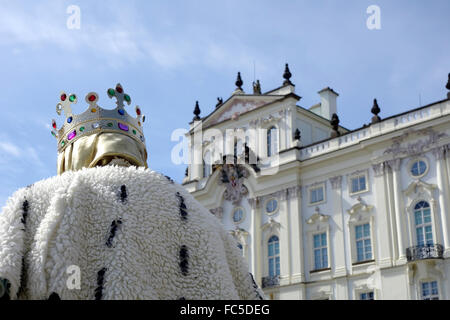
(398, 206)
(338, 240)
(383, 215)
(442, 183)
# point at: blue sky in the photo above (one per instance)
(168, 54)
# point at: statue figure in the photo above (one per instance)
(108, 227)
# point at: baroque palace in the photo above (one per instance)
(323, 212)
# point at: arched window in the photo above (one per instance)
(238, 147)
(422, 219)
(274, 256)
(272, 141)
(207, 164)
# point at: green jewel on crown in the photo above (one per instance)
(96, 119)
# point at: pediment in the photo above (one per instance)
(271, 225)
(360, 207)
(419, 186)
(238, 105)
(317, 217)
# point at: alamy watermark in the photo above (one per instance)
(74, 20)
(253, 146)
(374, 20)
(74, 277)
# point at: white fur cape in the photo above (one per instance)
(132, 232)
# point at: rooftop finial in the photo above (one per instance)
(219, 102)
(448, 86)
(239, 82)
(335, 124)
(196, 111)
(375, 110)
(287, 76)
(297, 134)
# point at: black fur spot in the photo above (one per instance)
(114, 225)
(255, 286)
(25, 207)
(123, 193)
(54, 297)
(183, 208)
(23, 276)
(5, 286)
(100, 281)
(184, 263)
(169, 178)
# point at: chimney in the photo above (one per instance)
(328, 102)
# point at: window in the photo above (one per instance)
(358, 184)
(272, 141)
(363, 245)
(238, 148)
(271, 206)
(366, 295)
(206, 164)
(418, 168)
(316, 195)
(320, 251)
(238, 215)
(240, 246)
(422, 219)
(274, 256)
(430, 290)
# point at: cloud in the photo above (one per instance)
(122, 38)
(11, 149)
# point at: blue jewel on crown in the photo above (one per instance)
(96, 119)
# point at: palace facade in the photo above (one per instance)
(323, 212)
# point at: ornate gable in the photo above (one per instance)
(238, 105)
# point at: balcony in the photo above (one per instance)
(270, 281)
(429, 251)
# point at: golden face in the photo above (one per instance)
(100, 150)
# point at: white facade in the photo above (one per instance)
(345, 210)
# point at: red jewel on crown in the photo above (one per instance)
(63, 97)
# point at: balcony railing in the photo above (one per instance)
(270, 281)
(429, 251)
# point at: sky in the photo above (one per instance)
(168, 54)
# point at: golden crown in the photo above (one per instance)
(96, 119)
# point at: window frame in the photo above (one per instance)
(313, 249)
(358, 175)
(243, 215)
(275, 256)
(414, 161)
(423, 225)
(364, 238)
(366, 292)
(422, 282)
(277, 144)
(207, 167)
(315, 187)
(276, 209)
(360, 217)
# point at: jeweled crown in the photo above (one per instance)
(96, 119)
